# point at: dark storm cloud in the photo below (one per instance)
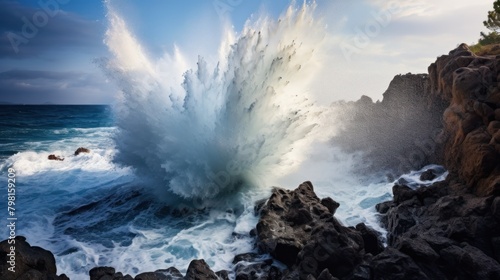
(34, 75)
(38, 29)
(37, 87)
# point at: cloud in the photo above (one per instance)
(27, 32)
(36, 87)
(415, 34)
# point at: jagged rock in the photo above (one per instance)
(298, 229)
(383, 207)
(31, 262)
(417, 248)
(331, 204)
(246, 257)
(54, 157)
(223, 275)
(325, 275)
(427, 175)
(120, 276)
(469, 83)
(152, 276)
(430, 233)
(253, 266)
(97, 272)
(363, 271)
(495, 208)
(371, 239)
(402, 193)
(399, 220)
(199, 269)
(81, 150)
(394, 265)
(469, 262)
(399, 133)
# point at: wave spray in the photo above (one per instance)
(209, 130)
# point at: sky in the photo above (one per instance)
(49, 49)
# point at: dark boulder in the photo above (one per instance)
(199, 269)
(97, 273)
(468, 262)
(31, 262)
(331, 204)
(81, 150)
(428, 175)
(151, 276)
(54, 157)
(298, 229)
(372, 240)
(402, 193)
(391, 264)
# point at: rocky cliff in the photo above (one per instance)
(399, 133)
(471, 133)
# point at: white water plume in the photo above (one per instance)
(205, 131)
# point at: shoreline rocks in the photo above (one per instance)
(446, 234)
(54, 157)
(81, 150)
(30, 262)
(433, 233)
(448, 230)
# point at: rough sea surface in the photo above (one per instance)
(90, 211)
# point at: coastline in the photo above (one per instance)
(449, 230)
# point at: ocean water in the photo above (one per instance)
(177, 165)
(89, 210)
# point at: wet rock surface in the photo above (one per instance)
(445, 234)
(20, 260)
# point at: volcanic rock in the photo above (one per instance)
(31, 262)
(152, 276)
(54, 157)
(199, 269)
(469, 83)
(81, 150)
(450, 230)
(297, 229)
(427, 175)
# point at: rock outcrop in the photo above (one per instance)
(54, 157)
(20, 260)
(399, 133)
(451, 230)
(81, 150)
(299, 229)
(197, 270)
(471, 133)
(445, 234)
